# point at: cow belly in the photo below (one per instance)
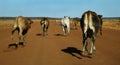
(24, 31)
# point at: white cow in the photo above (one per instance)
(65, 22)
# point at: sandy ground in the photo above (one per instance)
(56, 49)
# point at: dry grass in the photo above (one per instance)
(112, 25)
(6, 23)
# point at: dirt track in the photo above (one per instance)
(56, 49)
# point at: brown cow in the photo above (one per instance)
(22, 25)
(45, 24)
(101, 23)
(75, 21)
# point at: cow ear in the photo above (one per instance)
(100, 16)
(30, 21)
(69, 17)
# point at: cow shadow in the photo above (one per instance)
(15, 45)
(59, 35)
(73, 51)
(39, 34)
(11, 47)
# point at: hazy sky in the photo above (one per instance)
(59, 8)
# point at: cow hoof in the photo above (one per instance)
(90, 53)
(21, 44)
(84, 53)
(93, 51)
(90, 56)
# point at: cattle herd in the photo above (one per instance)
(90, 22)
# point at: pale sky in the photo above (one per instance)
(58, 8)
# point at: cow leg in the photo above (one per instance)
(13, 30)
(43, 29)
(46, 27)
(85, 36)
(46, 31)
(24, 36)
(64, 30)
(20, 35)
(85, 40)
(100, 30)
(68, 28)
(12, 33)
(21, 38)
(85, 44)
(75, 25)
(93, 49)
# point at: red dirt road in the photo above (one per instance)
(56, 49)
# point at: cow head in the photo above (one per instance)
(29, 21)
(100, 16)
(67, 17)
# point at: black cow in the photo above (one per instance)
(91, 23)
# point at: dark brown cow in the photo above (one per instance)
(45, 24)
(75, 21)
(101, 23)
(90, 25)
(22, 25)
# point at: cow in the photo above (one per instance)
(75, 21)
(22, 25)
(65, 23)
(101, 23)
(45, 24)
(90, 25)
